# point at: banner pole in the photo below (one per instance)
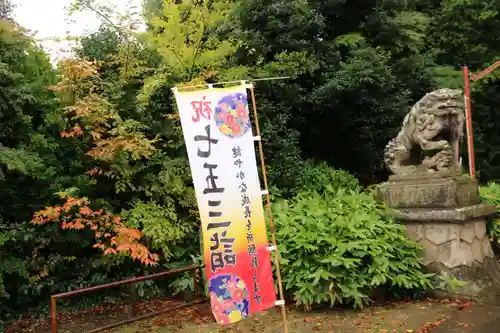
(271, 222)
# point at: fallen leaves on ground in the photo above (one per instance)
(394, 318)
(82, 320)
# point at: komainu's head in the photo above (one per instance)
(443, 102)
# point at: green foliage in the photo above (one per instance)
(486, 137)
(354, 69)
(447, 282)
(10, 265)
(320, 178)
(338, 247)
(491, 194)
(457, 23)
(159, 223)
(184, 36)
(20, 160)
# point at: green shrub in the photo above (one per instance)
(160, 224)
(173, 237)
(491, 194)
(338, 247)
(314, 177)
(317, 177)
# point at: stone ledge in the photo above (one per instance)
(454, 215)
(439, 191)
(420, 176)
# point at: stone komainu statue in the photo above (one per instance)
(429, 139)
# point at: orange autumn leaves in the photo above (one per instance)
(80, 91)
(112, 237)
(91, 117)
(88, 111)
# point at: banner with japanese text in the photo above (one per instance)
(217, 130)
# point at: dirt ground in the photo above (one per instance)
(404, 317)
(417, 317)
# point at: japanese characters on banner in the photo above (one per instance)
(219, 140)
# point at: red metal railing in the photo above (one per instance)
(131, 282)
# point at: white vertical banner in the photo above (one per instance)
(218, 133)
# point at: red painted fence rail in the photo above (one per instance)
(132, 282)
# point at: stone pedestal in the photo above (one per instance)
(444, 213)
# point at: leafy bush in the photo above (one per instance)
(339, 247)
(175, 237)
(318, 177)
(491, 194)
(159, 223)
(314, 177)
(9, 265)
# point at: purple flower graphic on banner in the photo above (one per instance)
(232, 116)
(228, 298)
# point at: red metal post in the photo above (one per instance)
(133, 300)
(53, 314)
(468, 119)
(131, 282)
(124, 282)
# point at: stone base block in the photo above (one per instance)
(443, 212)
(462, 250)
(478, 278)
(429, 190)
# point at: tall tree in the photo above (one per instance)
(356, 66)
(25, 176)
